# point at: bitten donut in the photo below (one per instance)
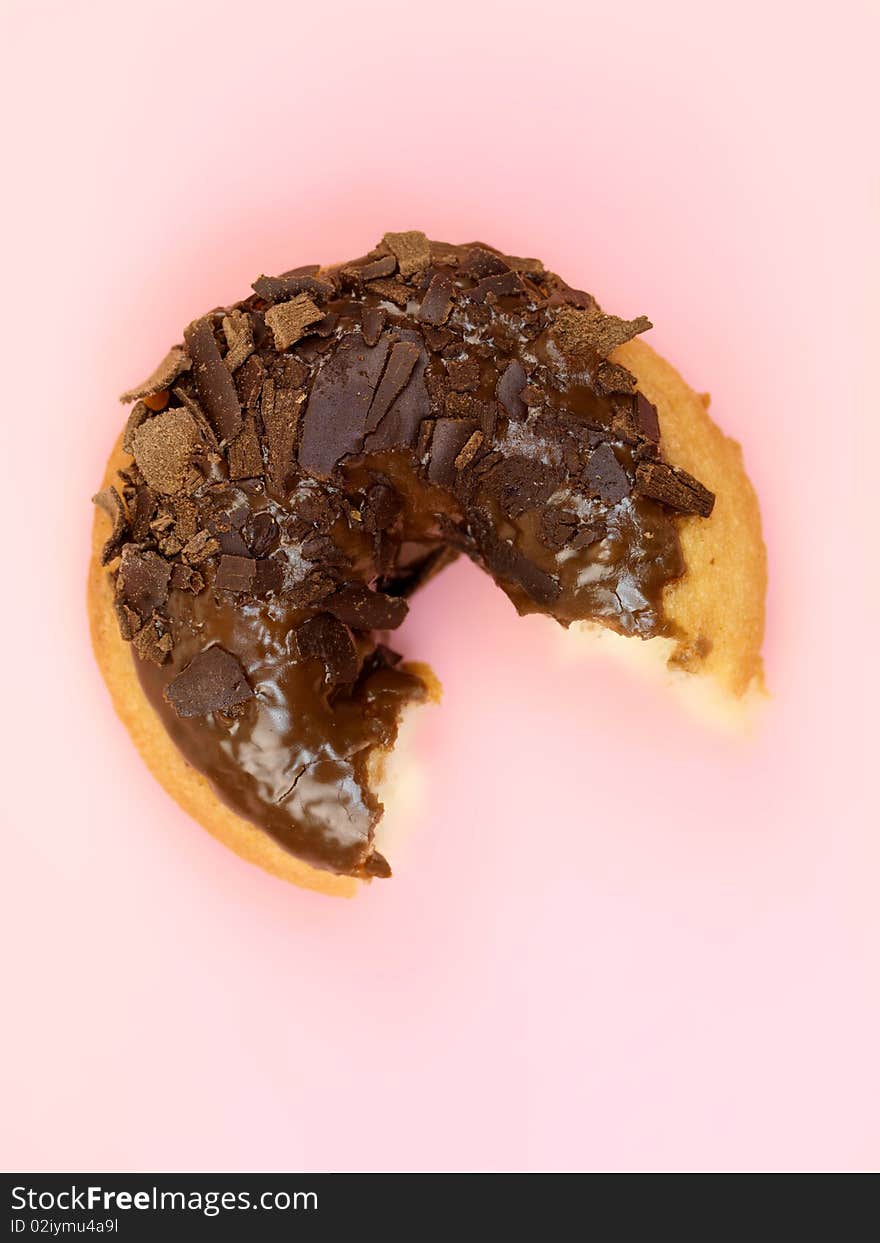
(296, 468)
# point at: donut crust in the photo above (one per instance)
(717, 607)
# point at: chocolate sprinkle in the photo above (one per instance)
(213, 681)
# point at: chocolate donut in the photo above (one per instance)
(305, 460)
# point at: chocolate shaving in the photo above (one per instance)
(398, 369)
(510, 384)
(281, 288)
(175, 362)
(411, 249)
(591, 331)
(506, 285)
(235, 574)
(152, 642)
(469, 451)
(612, 378)
(521, 483)
(281, 409)
(449, 438)
(143, 507)
(213, 681)
(200, 548)
(482, 262)
(605, 477)
(138, 414)
(142, 581)
(249, 381)
(260, 533)
(185, 578)
(112, 504)
(239, 334)
(336, 412)
(463, 374)
(268, 576)
(329, 640)
(214, 383)
(243, 455)
(291, 320)
(163, 449)
(506, 561)
(384, 266)
(364, 609)
(674, 488)
(391, 291)
(437, 302)
(372, 322)
(646, 418)
(381, 507)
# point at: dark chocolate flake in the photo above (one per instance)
(675, 488)
(372, 322)
(605, 477)
(510, 384)
(239, 334)
(163, 449)
(411, 249)
(333, 423)
(214, 382)
(401, 361)
(391, 291)
(646, 418)
(506, 562)
(386, 265)
(142, 581)
(576, 332)
(506, 285)
(291, 320)
(364, 609)
(281, 288)
(463, 375)
(235, 574)
(437, 302)
(329, 640)
(175, 362)
(213, 681)
(109, 500)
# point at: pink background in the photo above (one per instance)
(613, 940)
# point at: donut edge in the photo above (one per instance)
(718, 605)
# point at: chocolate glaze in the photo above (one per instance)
(423, 419)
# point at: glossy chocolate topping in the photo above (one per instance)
(310, 456)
